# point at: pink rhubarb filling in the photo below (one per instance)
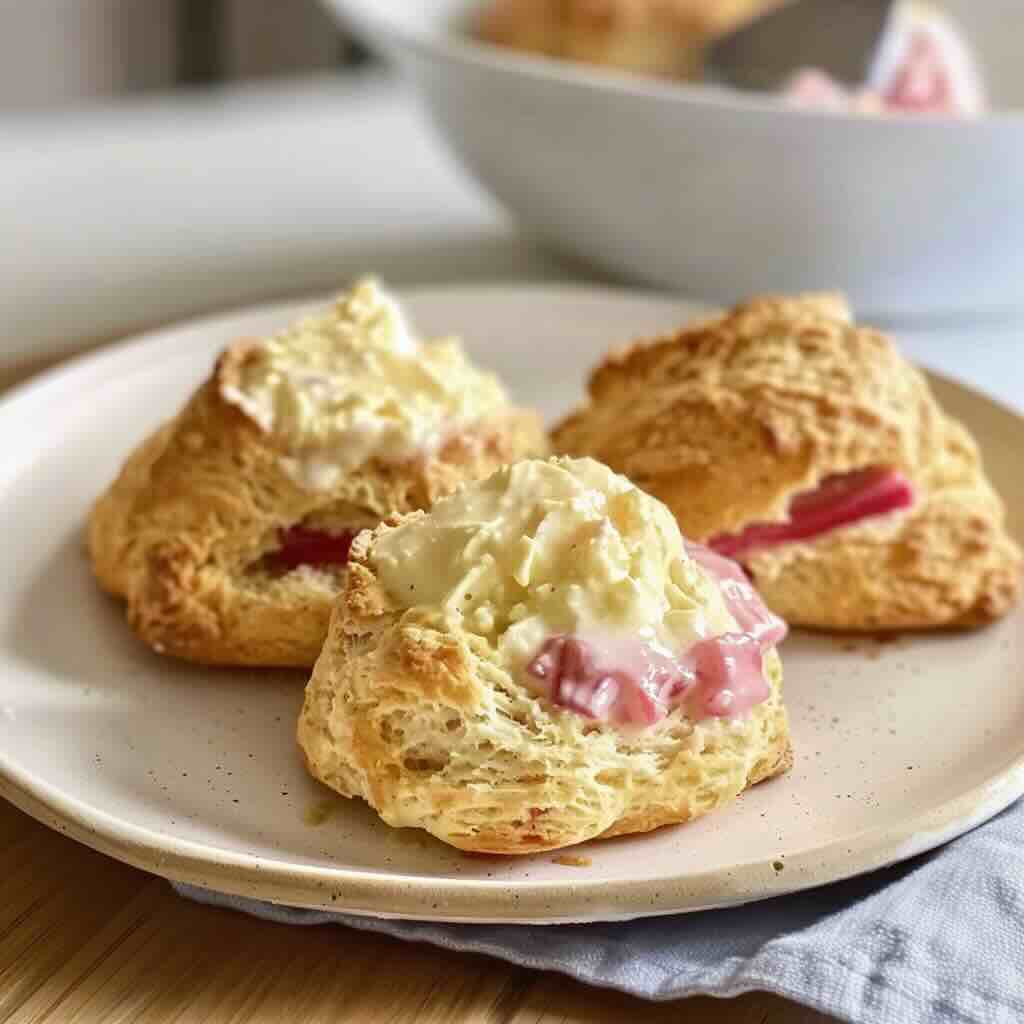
(300, 545)
(630, 682)
(837, 502)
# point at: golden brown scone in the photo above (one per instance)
(730, 420)
(657, 37)
(197, 532)
(446, 695)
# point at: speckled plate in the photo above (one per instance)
(193, 773)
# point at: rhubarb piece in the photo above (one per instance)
(631, 682)
(730, 675)
(838, 501)
(636, 696)
(302, 546)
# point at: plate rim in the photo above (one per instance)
(419, 897)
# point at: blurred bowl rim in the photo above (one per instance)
(383, 30)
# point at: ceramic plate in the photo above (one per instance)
(193, 774)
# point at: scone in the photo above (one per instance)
(228, 531)
(657, 37)
(542, 659)
(807, 448)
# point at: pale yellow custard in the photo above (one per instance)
(354, 383)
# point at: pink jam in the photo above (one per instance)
(838, 501)
(626, 682)
(631, 682)
(303, 546)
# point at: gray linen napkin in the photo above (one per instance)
(938, 939)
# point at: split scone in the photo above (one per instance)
(542, 659)
(228, 531)
(657, 37)
(807, 448)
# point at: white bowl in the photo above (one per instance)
(719, 195)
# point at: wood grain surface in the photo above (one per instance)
(87, 940)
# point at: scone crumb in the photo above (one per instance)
(572, 860)
(319, 812)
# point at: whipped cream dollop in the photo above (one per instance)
(355, 383)
(585, 590)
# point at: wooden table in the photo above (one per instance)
(87, 940)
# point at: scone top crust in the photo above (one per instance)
(337, 389)
(735, 416)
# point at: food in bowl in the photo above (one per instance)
(924, 66)
(807, 448)
(228, 531)
(542, 659)
(657, 37)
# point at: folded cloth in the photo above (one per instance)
(937, 939)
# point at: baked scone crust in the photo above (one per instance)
(726, 421)
(204, 498)
(423, 725)
(659, 37)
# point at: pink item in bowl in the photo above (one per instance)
(924, 66)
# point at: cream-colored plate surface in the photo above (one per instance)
(193, 773)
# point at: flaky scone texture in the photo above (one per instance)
(728, 420)
(659, 37)
(424, 720)
(181, 532)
